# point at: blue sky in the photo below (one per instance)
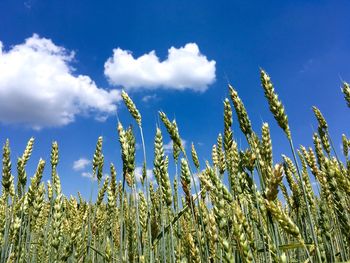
(303, 45)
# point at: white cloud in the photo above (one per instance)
(149, 98)
(38, 87)
(81, 164)
(88, 175)
(168, 147)
(93, 178)
(138, 174)
(184, 68)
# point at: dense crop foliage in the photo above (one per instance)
(297, 211)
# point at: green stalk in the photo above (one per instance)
(314, 237)
(200, 212)
(138, 227)
(175, 219)
(147, 196)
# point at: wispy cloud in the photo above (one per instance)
(81, 164)
(184, 68)
(38, 75)
(138, 174)
(91, 177)
(88, 175)
(168, 147)
(307, 65)
(149, 98)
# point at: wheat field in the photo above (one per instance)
(297, 211)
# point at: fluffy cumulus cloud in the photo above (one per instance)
(184, 68)
(81, 164)
(38, 86)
